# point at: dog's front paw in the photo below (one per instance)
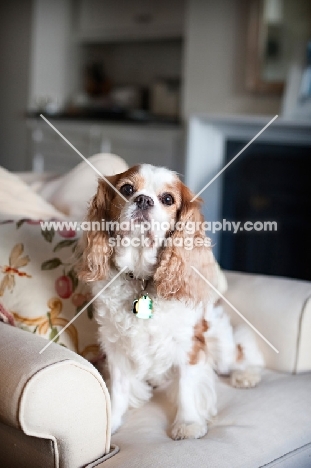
(245, 378)
(194, 430)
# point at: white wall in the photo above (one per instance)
(215, 61)
(15, 30)
(54, 65)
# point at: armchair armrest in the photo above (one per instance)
(280, 309)
(56, 395)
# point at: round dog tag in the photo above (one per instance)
(142, 307)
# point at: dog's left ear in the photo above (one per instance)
(188, 246)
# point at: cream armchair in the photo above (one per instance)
(55, 408)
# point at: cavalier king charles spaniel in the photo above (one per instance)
(160, 324)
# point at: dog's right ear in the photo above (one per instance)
(94, 249)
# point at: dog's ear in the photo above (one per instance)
(94, 249)
(187, 247)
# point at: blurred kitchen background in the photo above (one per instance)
(180, 83)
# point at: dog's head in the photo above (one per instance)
(153, 228)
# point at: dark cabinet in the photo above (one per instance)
(268, 182)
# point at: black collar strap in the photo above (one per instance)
(144, 282)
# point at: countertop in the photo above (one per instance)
(105, 116)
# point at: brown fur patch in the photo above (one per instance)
(107, 204)
(174, 277)
(239, 353)
(198, 341)
(131, 176)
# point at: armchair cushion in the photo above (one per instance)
(266, 426)
(17, 199)
(280, 309)
(71, 192)
(39, 288)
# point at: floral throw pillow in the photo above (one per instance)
(39, 290)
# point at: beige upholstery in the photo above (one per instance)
(56, 395)
(44, 196)
(70, 193)
(19, 450)
(280, 309)
(18, 200)
(254, 428)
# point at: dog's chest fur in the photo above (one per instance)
(151, 346)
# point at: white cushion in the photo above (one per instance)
(280, 309)
(254, 427)
(71, 193)
(18, 199)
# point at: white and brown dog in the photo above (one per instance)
(188, 339)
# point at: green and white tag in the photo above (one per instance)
(143, 307)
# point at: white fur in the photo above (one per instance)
(142, 353)
(142, 259)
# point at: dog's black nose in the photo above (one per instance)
(143, 202)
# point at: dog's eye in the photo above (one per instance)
(167, 199)
(127, 190)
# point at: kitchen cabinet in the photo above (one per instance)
(137, 143)
(116, 20)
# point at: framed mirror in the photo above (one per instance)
(275, 27)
